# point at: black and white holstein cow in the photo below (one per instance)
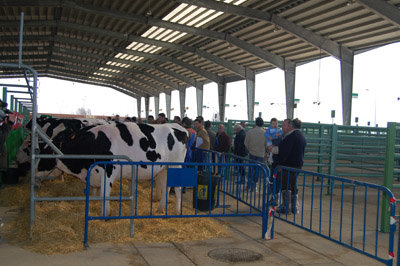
(140, 142)
(52, 127)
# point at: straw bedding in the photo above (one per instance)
(59, 226)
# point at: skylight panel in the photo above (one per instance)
(157, 32)
(174, 12)
(183, 14)
(162, 35)
(149, 31)
(145, 46)
(178, 37)
(131, 45)
(209, 19)
(188, 18)
(170, 36)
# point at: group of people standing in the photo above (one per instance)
(279, 147)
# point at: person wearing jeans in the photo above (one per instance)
(256, 144)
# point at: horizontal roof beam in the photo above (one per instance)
(384, 8)
(264, 55)
(319, 41)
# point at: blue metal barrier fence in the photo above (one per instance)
(346, 213)
(233, 198)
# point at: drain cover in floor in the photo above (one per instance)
(234, 255)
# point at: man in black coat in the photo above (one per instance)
(239, 149)
(290, 154)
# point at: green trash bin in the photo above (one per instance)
(202, 195)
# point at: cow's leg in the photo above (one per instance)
(158, 195)
(108, 183)
(178, 196)
(161, 184)
(95, 191)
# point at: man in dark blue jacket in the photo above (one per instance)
(290, 154)
(240, 150)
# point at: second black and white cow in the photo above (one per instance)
(140, 142)
(52, 127)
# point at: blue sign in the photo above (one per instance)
(182, 177)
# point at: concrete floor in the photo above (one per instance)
(291, 246)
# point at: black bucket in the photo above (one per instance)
(202, 195)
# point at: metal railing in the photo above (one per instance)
(231, 198)
(347, 213)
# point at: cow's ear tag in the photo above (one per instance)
(73, 136)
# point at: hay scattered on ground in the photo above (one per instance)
(59, 226)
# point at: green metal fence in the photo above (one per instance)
(347, 151)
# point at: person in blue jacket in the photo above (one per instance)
(290, 154)
(273, 134)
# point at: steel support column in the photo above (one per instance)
(139, 107)
(221, 100)
(251, 91)
(199, 98)
(346, 70)
(290, 75)
(168, 104)
(147, 105)
(182, 94)
(156, 106)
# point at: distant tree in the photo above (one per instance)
(83, 111)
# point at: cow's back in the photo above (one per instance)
(141, 143)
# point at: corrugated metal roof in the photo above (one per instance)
(152, 46)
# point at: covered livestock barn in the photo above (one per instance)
(144, 48)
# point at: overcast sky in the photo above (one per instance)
(376, 81)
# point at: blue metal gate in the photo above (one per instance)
(342, 210)
(221, 195)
